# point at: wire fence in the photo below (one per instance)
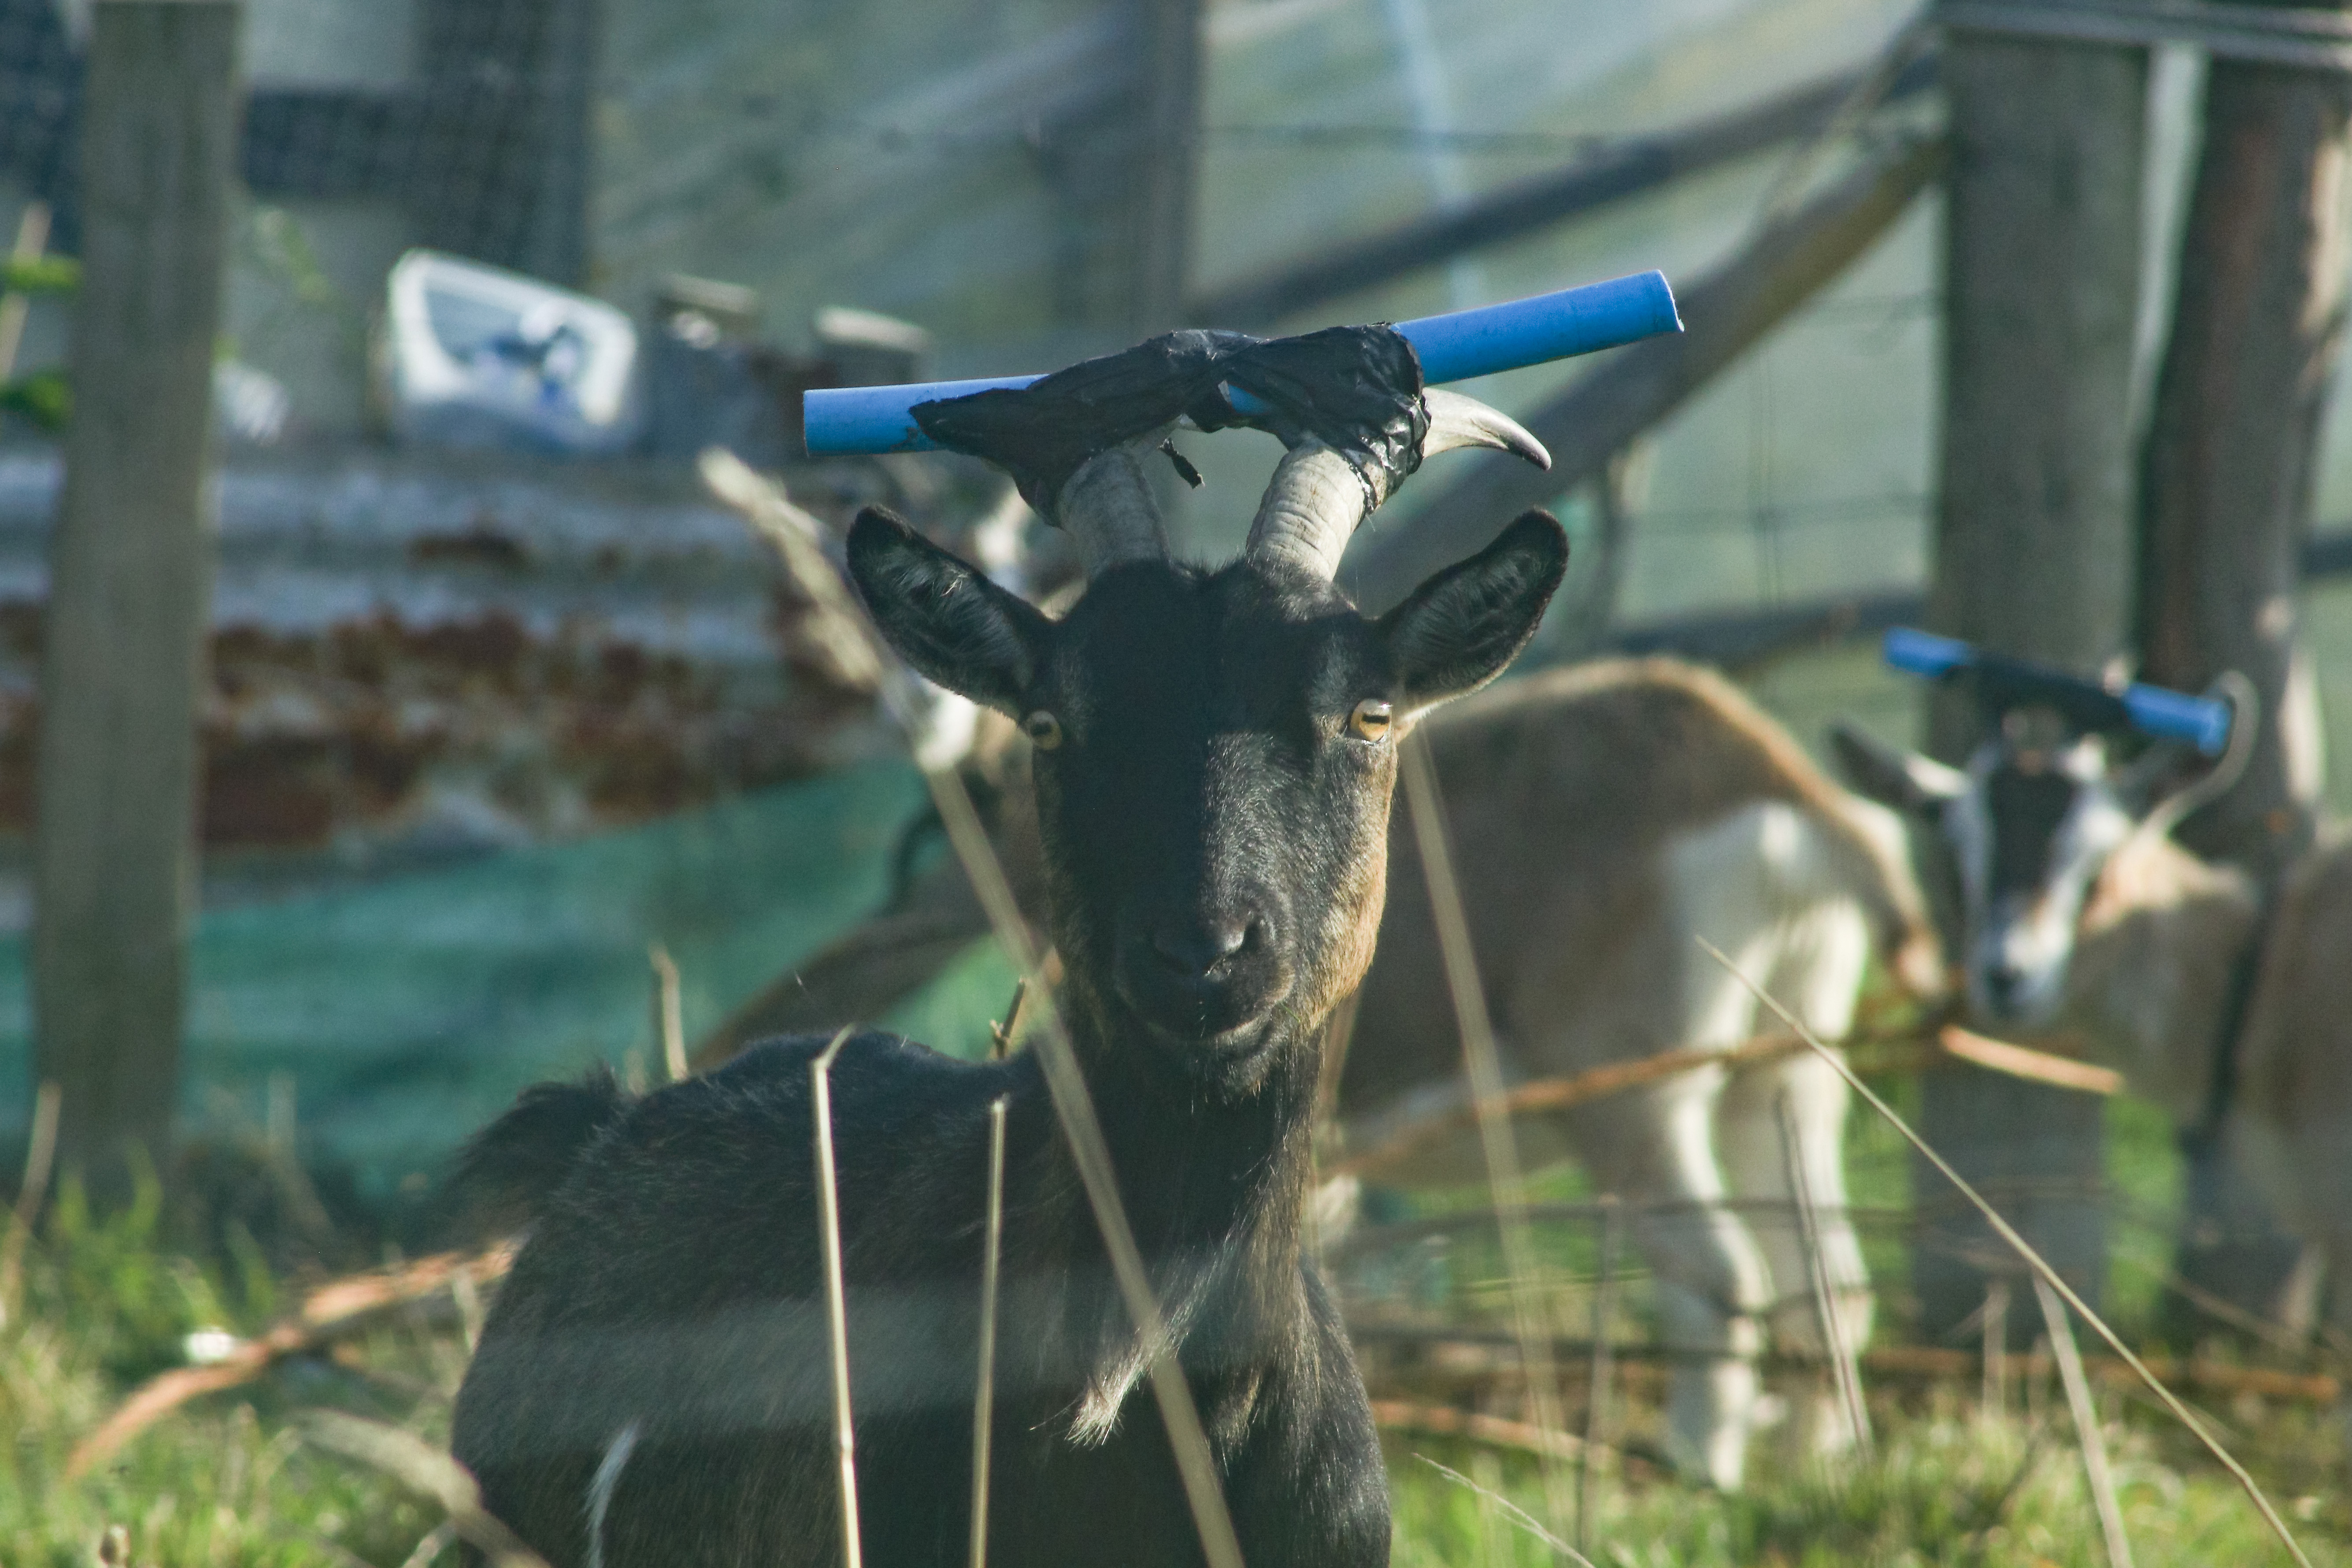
(486, 147)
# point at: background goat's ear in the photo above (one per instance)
(1461, 627)
(947, 620)
(1906, 780)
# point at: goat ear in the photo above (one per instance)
(957, 628)
(1461, 627)
(1911, 784)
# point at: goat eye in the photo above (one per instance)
(1370, 720)
(1045, 730)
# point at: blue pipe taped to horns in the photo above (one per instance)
(838, 421)
(2168, 715)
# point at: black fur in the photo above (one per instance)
(1458, 631)
(1216, 838)
(509, 1169)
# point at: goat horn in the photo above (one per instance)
(1316, 497)
(1455, 421)
(1107, 510)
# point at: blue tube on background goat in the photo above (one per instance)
(2003, 682)
(1457, 346)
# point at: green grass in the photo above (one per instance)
(1946, 1489)
(230, 1481)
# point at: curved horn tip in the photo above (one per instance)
(1458, 421)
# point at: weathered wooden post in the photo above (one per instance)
(2032, 548)
(2226, 505)
(113, 855)
(1122, 172)
(569, 46)
(1168, 161)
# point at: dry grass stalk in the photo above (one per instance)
(1560, 1093)
(281, 1138)
(40, 1160)
(2253, 1324)
(1513, 1511)
(2024, 1061)
(1597, 1389)
(1899, 1050)
(1929, 1362)
(2032, 1260)
(1835, 1343)
(32, 240)
(1404, 1416)
(427, 1470)
(1001, 1035)
(1995, 1399)
(1487, 1470)
(984, 1403)
(2086, 1427)
(1483, 1064)
(468, 1299)
(1372, 1238)
(836, 1306)
(332, 1312)
(835, 629)
(431, 1544)
(669, 1013)
(1338, 1035)
(767, 509)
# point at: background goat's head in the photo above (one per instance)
(2022, 835)
(1216, 749)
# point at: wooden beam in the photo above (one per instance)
(113, 852)
(2232, 441)
(2031, 540)
(1936, 1363)
(1724, 313)
(2226, 481)
(1613, 171)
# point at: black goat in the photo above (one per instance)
(1215, 754)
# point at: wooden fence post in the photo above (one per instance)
(113, 855)
(1122, 172)
(1168, 163)
(2033, 546)
(2226, 505)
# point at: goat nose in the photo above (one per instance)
(1194, 947)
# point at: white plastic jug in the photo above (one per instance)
(476, 356)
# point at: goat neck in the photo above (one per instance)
(2155, 951)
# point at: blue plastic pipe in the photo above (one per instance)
(1924, 653)
(1453, 347)
(2168, 715)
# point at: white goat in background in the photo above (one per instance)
(2078, 913)
(1605, 817)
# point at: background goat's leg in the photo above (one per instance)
(1657, 1148)
(1816, 974)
